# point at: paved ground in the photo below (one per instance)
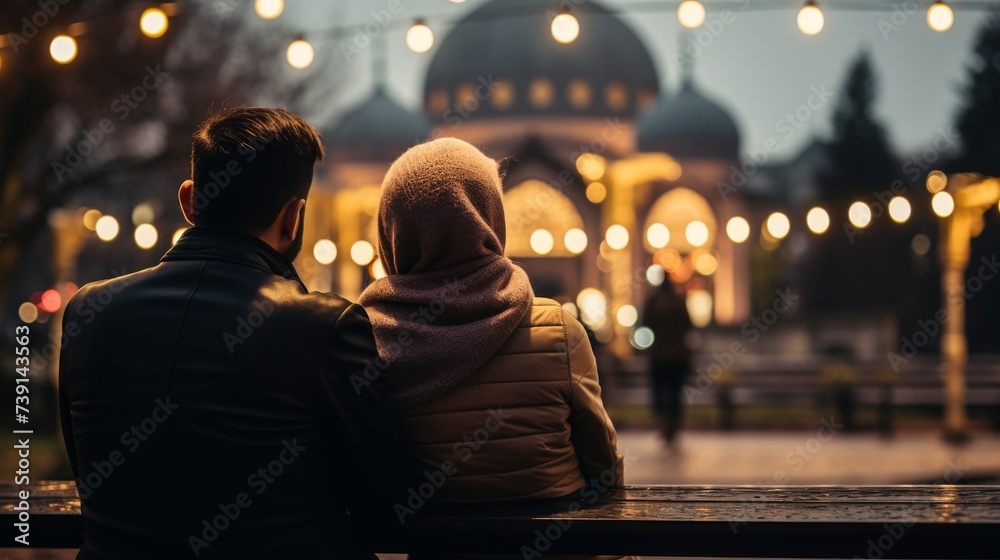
(807, 458)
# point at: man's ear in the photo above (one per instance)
(290, 217)
(185, 196)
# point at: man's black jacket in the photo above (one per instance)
(212, 408)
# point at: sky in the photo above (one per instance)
(758, 65)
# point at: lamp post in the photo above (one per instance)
(973, 196)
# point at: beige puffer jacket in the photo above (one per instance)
(530, 424)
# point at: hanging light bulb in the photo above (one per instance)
(565, 27)
(691, 13)
(63, 49)
(810, 19)
(419, 38)
(153, 23)
(269, 9)
(300, 54)
(940, 17)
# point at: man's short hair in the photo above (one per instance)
(247, 163)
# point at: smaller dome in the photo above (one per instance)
(689, 126)
(377, 130)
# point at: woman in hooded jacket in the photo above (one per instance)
(497, 390)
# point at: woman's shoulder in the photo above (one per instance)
(547, 312)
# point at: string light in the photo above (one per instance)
(146, 236)
(565, 27)
(691, 13)
(818, 220)
(325, 251)
(419, 38)
(940, 17)
(859, 214)
(153, 23)
(63, 49)
(541, 241)
(269, 9)
(362, 253)
(696, 233)
(616, 237)
(738, 229)
(810, 19)
(777, 225)
(300, 54)
(658, 236)
(899, 209)
(575, 241)
(943, 204)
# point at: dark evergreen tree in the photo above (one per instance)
(861, 160)
(978, 122)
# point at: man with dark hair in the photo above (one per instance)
(210, 405)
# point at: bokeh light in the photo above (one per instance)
(940, 16)
(565, 28)
(269, 9)
(921, 244)
(146, 236)
(27, 312)
(936, 181)
(943, 204)
(642, 338)
(90, 218)
(362, 253)
(658, 235)
(691, 13)
(591, 166)
(596, 192)
(655, 275)
(627, 315)
(617, 237)
(419, 37)
(575, 240)
(63, 49)
(153, 23)
(542, 241)
(51, 301)
(810, 19)
(817, 220)
(706, 264)
(899, 209)
(325, 251)
(777, 225)
(300, 54)
(738, 229)
(860, 215)
(142, 214)
(696, 233)
(699, 306)
(107, 228)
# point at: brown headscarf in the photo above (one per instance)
(451, 297)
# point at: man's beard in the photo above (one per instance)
(293, 250)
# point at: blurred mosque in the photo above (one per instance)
(611, 183)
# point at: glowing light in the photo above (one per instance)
(300, 54)
(575, 241)
(642, 338)
(860, 215)
(658, 235)
(738, 229)
(706, 264)
(655, 275)
(142, 214)
(269, 9)
(943, 204)
(596, 192)
(376, 269)
(51, 301)
(940, 17)
(90, 218)
(146, 236)
(362, 253)
(28, 313)
(419, 38)
(325, 251)
(177, 235)
(936, 181)
(899, 209)
(541, 241)
(590, 166)
(565, 28)
(920, 244)
(699, 306)
(817, 220)
(617, 237)
(107, 228)
(627, 315)
(691, 14)
(777, 225)
(153, 23)
(696, 233)
(593, 306)
(810, 19)
(63, 49)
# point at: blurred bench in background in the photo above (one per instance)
(944, 521)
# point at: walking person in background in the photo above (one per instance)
(497, 389)
(670, 357)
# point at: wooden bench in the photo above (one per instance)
(925, 521)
